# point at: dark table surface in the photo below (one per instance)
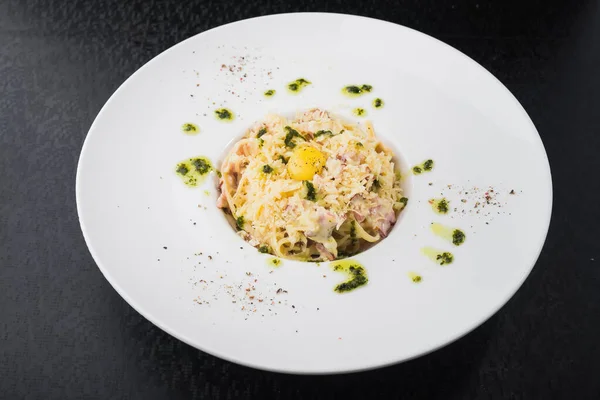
(66, 334)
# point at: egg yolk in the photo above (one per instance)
(305, 162)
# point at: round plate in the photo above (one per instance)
(171, 255)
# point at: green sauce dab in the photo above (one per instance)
(425, 166)
(296, 86)
(356, 273)
(440, 206)
(440, 257)
(194, 171)
(355, 90)
(190, 129)
(274, 262)
(359, 112)
(454, 235)
(224, 114)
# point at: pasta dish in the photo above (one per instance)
(314, 188)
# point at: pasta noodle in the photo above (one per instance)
(314, 188)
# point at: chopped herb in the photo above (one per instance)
(359, 144)
(353, 232)
(219, 174)
(267, 169)
(283, 159)
(223, 113)
(458, 237)
(290, 135)
(201, 165)
(264, 249)
(193, 171)
(261, 132)
(275, 262)
(342, 131)
(425, 166)
(240, 222)
(378, 103)
(269, 92)
(189, 127)
(445, 258)
(298, 84)
(182, 169)
(404, 200)
(416, 278)
(355, 91)
(376, 185)
(311, 194)
(359, 112)
(322, 132)
(261, 142)
(442, 206)
(342, 254)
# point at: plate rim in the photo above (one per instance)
(315, 371)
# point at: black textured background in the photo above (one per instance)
(66, 334)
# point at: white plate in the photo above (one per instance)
(439, 104)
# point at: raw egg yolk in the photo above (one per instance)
(305, 162)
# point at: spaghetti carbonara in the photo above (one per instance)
(314, 188)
